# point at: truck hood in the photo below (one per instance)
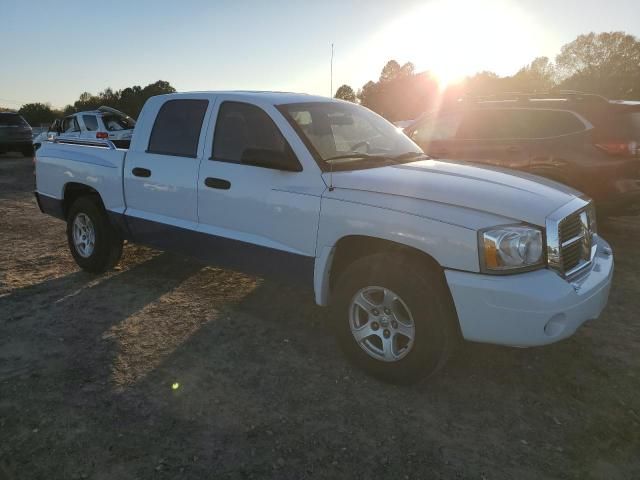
(516, 195)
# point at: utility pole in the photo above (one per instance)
(331, 92)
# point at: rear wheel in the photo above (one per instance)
(95, 244)
(394, 318)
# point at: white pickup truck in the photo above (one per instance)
(103, 123)
(411, 253)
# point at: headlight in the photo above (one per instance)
(510, 248)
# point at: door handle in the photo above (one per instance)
(217, 183)
(141, 172)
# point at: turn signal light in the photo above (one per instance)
(102, 135)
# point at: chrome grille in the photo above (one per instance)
(570, 238)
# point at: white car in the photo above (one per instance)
(412, 253)
(103, 123)
(46, 134)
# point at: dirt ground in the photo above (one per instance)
(88, 366)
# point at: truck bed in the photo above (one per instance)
(98, 164)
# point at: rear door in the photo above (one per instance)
(161, 171)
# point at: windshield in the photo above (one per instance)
(341, 130)
(12, 120)
(113, 122)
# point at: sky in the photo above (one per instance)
(53, 51)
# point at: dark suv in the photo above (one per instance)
(584, 141)
(15, 134)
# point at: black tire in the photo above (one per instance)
(107, 249)
(425, 293)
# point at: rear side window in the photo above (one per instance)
(176, 130)
(551, 123)
(90, 122)
(242, 130)
(441, 128)
(518, 124)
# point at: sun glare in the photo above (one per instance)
(453, 39)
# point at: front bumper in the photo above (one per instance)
(533, 308)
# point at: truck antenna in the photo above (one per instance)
(331, 74)
(331, 187)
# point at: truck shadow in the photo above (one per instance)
(75, 309)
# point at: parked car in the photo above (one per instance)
(15, 134)
(581, 140)
(411, 253)
(103, 123)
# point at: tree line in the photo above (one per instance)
(128, 100)
(606, 63)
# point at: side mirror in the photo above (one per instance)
(274, 159)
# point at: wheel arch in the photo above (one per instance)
(74, 190)
(350, 248)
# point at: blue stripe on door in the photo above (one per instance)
(224, 252)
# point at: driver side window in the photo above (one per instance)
(244, 131)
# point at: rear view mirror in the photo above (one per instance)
(266, 158)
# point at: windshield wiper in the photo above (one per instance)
(366, 156)
(354, 156)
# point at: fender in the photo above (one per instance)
(340, 219)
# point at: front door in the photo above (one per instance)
(260, 218)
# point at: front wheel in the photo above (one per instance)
(95, 244)
(394, 317)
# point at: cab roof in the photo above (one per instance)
(275, 98)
